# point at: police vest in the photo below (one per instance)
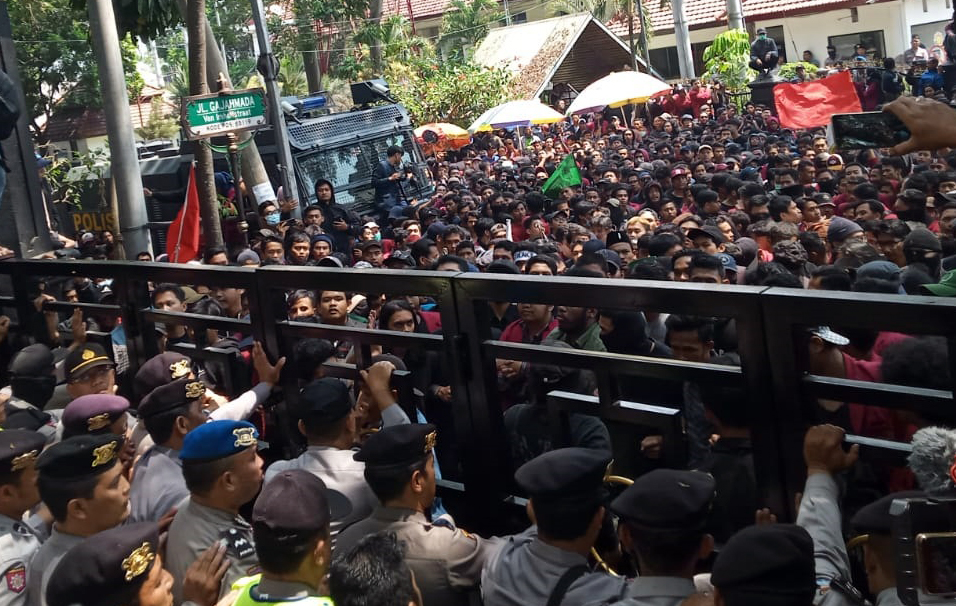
(244, 587)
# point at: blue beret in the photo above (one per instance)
(93, 413)
(218, 440)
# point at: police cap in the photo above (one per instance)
(767, 564)
(565, 475)
(177, 394)
(81, 456)
(79, 361)
(667, 499)
(160, 370)
(296, 503)
(398, 446)
(93, 413)
(324, 401)
(106, 569)
(33, 361)
(875, 518)
(19, 448)
(218, 440)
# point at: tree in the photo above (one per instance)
(448, 91)
(466, 23)
(291, 76)
(158, 126)
(726, 59)
(56, 60)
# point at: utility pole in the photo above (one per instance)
(645, 52)
(507, 13)
(630, 34)
(735, 14)
(208, 202)
(124, 161)
(685, 55)
(268, 66)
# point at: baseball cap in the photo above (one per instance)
(82, 359)
(829, 336)
(946, 286)
(922, 239)
(710, 231)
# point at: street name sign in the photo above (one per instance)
(220, 113)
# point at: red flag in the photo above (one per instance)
(182, 239)
(810, 104)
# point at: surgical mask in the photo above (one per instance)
(273, 218)
(762, 36)
(378, 236)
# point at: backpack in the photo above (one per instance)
(9, 106)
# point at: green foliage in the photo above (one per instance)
(71, 177)
(726, 59)
(447, 91)
(145, 19)
(291, 76)
(397, 42)
(788, 71)
(56, 59)
(605, 10)
(466, 23)
(158, 126)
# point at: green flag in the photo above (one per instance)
(565, 175)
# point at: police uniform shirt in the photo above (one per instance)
(447, 562)
(44, 563)
(18, 545)
(194, 529)
(820, 515)
(658, 591)
(158, 485)
(526, 570)
(340, 472)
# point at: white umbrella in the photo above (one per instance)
(618, 89)
(515, 113)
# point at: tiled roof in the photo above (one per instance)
(71, 123)
(420, 9)
(713, 13)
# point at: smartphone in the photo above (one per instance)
(936, 560)
(866, 130)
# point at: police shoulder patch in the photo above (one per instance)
(16, 577)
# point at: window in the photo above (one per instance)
(873, 41)
(664, 60)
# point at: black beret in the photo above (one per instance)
(81, 359)
(33, 361)
(19, 448)
(667, 499)
(29, 419)
(160, 370)
(325, 400)
(761, 563)
(875, 518)
(565, 474)
(106, 568)
(398, 446)
(297, 503)
(178, 393)
(92, 413)
(80, 456)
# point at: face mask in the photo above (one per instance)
(762, 36)
(827, 185)
(273, 218)
(378, 236)
(33, 389)
(911, 215)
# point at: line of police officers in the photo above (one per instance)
(103, 546)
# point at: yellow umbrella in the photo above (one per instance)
(515, 113)
(441, 136)
(618, 89)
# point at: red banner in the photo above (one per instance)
(810, 104)
(182, 238)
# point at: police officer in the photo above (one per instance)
(32, 381)
(99, 413)
(168, 413)
(89, 371)
(820, 515)
(327, 421)
(80, 481)
(223, 472)
(771, 565)
(291, 525)
(400, 468)
(113, 568)
(663, 516)
(18, 494)
(548, 563)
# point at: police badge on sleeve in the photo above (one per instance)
(16, 577)
(237, 545)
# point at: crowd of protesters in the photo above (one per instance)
(700, 193)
